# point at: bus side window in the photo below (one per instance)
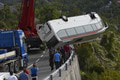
(62, 33)
(46, 29)
(48, 26)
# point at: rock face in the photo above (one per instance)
(73, 72)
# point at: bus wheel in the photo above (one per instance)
(16, 66)
(6, 68)
(12, 67)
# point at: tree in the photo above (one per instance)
(2, 25)
(48, 12)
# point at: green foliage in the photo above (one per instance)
(95, 64)
(48, 12)
(98, 60)
(87, 59)
(110, 74)
(104, 56)
(2, 24)
(7, 18)
(111, 43)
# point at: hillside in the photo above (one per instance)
(99, 60)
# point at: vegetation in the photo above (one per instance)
(7, 18)
(99, 60)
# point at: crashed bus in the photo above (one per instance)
(77, 29)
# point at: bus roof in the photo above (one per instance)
(75, 21)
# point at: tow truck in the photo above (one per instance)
(27, 24)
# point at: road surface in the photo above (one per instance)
(43, 63)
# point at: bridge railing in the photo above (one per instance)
(60, 72)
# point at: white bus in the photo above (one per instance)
(77, 29)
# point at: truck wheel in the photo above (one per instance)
(16, 66)
(12, 67)
(6, 68)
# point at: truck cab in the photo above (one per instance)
(13, 50)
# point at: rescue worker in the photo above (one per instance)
(57, 59)
(62, 51)
(24, 75)
(12, 77)
(51, 58)
(34, 71)
(67, 50)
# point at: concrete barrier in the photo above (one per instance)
(68, 71)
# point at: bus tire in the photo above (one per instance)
(12, 66)
(6, 68)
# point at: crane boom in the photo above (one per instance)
(26, 22)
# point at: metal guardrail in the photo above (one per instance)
(58, 73)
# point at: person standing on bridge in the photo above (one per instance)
(12, 77)
(67, 49)
(51, 58)
(34, 71)
(57, 58)
(62, 51)
(24, 75)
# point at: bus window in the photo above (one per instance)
(94, 27)
(88, 28)
(47, 29)
(62, 33)
(42, 31)
(48, 26)
(71, 31)
(80, 30)
(98, 25)
(101, 24)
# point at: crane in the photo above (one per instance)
(27, 24)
